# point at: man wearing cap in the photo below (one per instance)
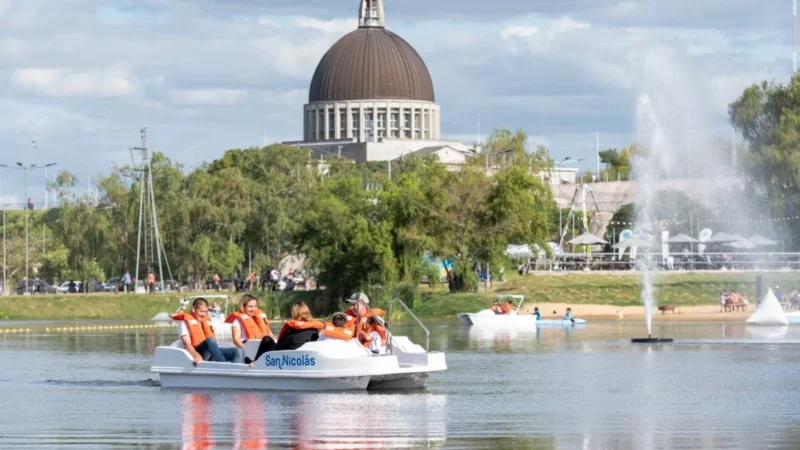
(360, 313)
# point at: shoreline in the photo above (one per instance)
(700, 313)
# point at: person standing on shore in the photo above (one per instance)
(126, 281)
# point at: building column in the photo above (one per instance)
(362, 137)
(316, 124)
(374, 122)
(413, 122)
(337, 126)
(326, 127)
(431, 129)
(349, 120)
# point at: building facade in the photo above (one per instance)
(371, 96)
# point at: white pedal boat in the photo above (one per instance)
(488, 318)
(316, 366)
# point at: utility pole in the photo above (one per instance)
(27, 207)
(148, 225)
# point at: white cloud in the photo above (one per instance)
(538, 38)
(208, 96)
(335, 26)
(112, 82)
(699, 50)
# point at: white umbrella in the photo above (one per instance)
(743, 244)
(682, 239)
(722, 237)
(759, 241)
(632, 242)
(587, 239)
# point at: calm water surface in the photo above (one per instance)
(720, 386)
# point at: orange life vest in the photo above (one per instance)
(381, 332)
(300, 325)
(199, 330)
(251, 330)
(506, 309)
(342, 333)
(262, 322)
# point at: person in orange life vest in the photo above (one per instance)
(249, 322)
(337, 329)
(508, 307)
(496, 308)
(360, 313)
(376, 336)
(197, 334)
(294, 333)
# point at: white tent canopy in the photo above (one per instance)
(722, 237)
(769, 312)
(587, 239)
(632, 242)
(761, 241)
(682, 239)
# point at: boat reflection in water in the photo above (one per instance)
(313, 420)
(249, 422)
(368, 420)
(198, 433)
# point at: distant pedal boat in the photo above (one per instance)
(488, 318)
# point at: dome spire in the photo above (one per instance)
(371, 15)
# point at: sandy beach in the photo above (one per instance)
(703, 313)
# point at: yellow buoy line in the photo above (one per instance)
(85, 328)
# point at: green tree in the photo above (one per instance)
(768, 117)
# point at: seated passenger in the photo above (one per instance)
(508, 307)
(358, 314)
(249, 322)
(496, 308)
(568, 316)
(537, 313)
(337, 329)
(197, 334)
(294, 333)
(375, 337)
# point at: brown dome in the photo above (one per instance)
(371, 63)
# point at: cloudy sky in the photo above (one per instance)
(81, 77)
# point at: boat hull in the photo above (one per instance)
(513, 320)
(793, 318)
(317, 366)
(286, 383)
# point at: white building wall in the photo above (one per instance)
(323, 129)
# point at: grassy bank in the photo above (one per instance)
(581, 288)
(118, 306)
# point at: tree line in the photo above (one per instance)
(357, 225)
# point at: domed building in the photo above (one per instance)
(372, 98)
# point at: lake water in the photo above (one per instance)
(719, 386)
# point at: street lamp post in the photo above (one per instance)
(26, 169)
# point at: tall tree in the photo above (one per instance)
(768, 117)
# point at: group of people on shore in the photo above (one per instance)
(729, 300)
(196, 330)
